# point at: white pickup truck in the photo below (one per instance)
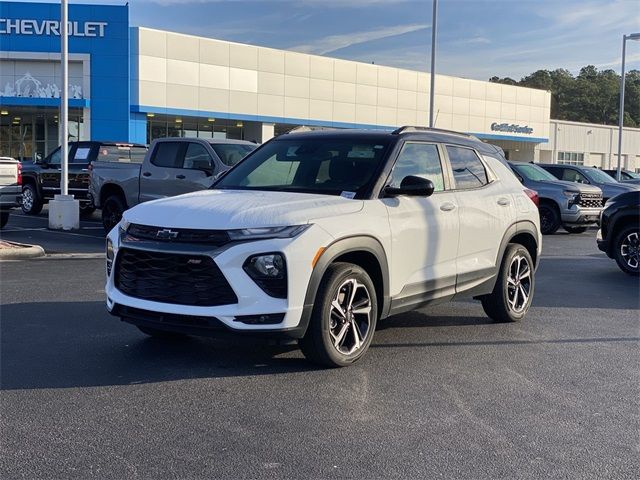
(10, 187)
(171, 166)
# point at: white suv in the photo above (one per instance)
(317, 236)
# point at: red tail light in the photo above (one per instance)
(533, 195)
(19, 173)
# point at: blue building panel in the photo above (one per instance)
(102, 33)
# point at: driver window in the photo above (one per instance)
(197, 157)
(571, 175)
(56, 157)
(420, 160)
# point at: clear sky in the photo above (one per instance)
(476, 38)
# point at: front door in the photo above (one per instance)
(424, 230)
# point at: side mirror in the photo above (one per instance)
(411, 186)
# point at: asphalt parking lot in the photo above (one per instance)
(443, 392)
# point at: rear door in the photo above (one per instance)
(486, 211)
(175, 167)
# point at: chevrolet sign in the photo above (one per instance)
(511, 128)
(50, 27)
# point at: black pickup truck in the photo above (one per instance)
(41, 180)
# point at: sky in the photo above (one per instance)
(476, 38)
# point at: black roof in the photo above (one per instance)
(416, 133)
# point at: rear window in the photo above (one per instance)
(468, 170)
(232, 153)
(168, 155)
(120, 153)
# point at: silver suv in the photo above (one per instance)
(571, 205)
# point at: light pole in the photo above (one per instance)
(434, 21)
(632, 36)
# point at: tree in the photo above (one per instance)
(592, 96)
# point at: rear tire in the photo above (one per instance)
(112, 209)
(344, 317)
(549, 219)
(626, 250)
(575, 229)
(514, 288)
(4, 218)
(31, 203)
(157, 333)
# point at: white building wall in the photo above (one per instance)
(598, 143)
(180, 72)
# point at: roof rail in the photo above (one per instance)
(411, 128)
(307, 128)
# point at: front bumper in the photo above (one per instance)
(252, 301)
(581, 216)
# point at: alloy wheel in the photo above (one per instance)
(350, 317)
(630, 250)
(518, 284)
(27, 199)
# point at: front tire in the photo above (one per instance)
(344, 317)
(549, 219)
(112, 209)
(627, 250)
(514, 288)
(31, 202)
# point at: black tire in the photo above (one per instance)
(549, 219)
(112, 209)
(332, 337)
(87, 211)
(157, 333)
(4, 218)
(575, 229)
(31, 202)
(626, 250)
(498, 304)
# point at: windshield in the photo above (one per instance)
(232, 153)
(629, 175)
(327, 166)
(533, 172)
(598, 176)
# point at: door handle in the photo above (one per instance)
(181, 177)
(504, 202)
(146, 174)
(447, 207)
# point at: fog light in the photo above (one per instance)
(269, 271)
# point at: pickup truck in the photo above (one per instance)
(41, 179)
(574, 206)
(10, 187)
(172, 166)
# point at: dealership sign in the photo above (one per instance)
(50, 27)
(511, 128)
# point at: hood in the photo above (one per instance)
(229, 209)
(573, 186)
(612, 189)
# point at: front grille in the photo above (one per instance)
(172, 278)
(591, 200)
(180, 235)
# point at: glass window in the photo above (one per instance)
(330, 166)
(599, 176)
(420, 160)
(468, 170)
(197, 157)
(230, 153)
(82, 155)
(56, 156)
(168, 155)
(571, 158)
(122, 153)
(571, 175)
(532, 172)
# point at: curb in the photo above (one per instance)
(23, 252)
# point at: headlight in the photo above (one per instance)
(572, 197)
(109, 255)
(266, 232)
(269, 271)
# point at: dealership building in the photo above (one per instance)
(136, 84)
